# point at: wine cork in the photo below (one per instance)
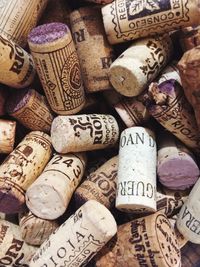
(21, 168)
(190, 255)
(140, 64)
(13, 250)
(34, 230)
(3, 98)
(94, 51)
(78, 239)
(189, 72)
(101, 2)
(169, 72)
(31, 109)
(136, 181)
(176, 166)
(7, 136)
(170, 201)
(99, 185)
(83, 132)
(188, 222)
(49, 196)
(147, 241)
(168, 105)
(16, 65)
(127, 20)
(189, 38)
(58, 67)
(19, 17)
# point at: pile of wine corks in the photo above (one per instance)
(99, 133)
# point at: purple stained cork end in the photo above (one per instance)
(48, 33)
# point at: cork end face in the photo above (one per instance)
(18, 100)
(136, 208)
(48, 33)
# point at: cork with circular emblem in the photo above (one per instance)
(13, 250)
(49, 195)
(147, 241)
(17, 68)
(95, 53)
(22, 166)
(7, 136)
(31, 109)
(79, 133)
(100, 185)
(58, 67)
(34, 230)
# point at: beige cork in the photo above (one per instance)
(83, 132)
(21, 168)
(148, 241)
(95, 53)
(136, 180)
(58, 67)
(19, 17)
(78, 239)
(34, 230)
(31, 109)
(126, 20)
(100, 185)
(13, 250)
(16, 65)
(7, 136)
(48, 197)
(140, 64)
(188, 222)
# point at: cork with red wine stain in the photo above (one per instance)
(58, 67)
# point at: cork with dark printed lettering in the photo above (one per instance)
(48, 197)
(126, 20)
(22, 166)
(148, 241)
(58, 67)
(79, 133)
(17, 68)
(95, 53)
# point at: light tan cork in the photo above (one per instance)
(95, 53)
(140, 64)
(58, 67)
(17, 68)
(100, 185)
(21, 168)
(34, 231)
(7, 136)
(48, 197)
(83, 132)
(13, 250)
(78, 239)
(126, 20)
(18, 17)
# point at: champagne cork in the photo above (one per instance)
(99, 185)
(190, 255)
(140, 64)
(58, 67)
(31, 109)
(95, 53)
(7, 136)
(48, 197)
(189, 72)
(188, 222)
(78, 239)
(34, 230)
(136, 181)
(83, 132)
(167, 103)
(147, 241)
(126, 20)
(170, 201)
(21, 168)
(16, 65)
(176, 166)
(189, 38)
(13, 250)
(19, 17)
